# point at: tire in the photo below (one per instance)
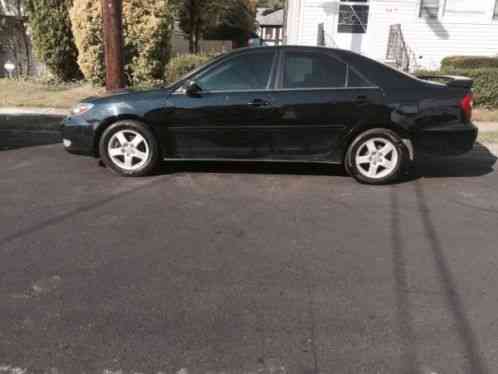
(130, 149)
(376, 156)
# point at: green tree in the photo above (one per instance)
(195, 18)
(235, 21)
(52, 37)
(215, 19)
(271, 4)
(147, 28)
(13, 35)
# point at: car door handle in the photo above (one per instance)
(259, 102)
(361, 99)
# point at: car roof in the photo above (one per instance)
(283, 47)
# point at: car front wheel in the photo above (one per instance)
(129, 148)
(376, 157)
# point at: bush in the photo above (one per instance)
(468, 62)
(485, 86)
(146, 29)
(182, 64)
(52, 37)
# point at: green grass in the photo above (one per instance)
(488, 137)
(28, 93)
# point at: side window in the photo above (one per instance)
(354, 80)
(313, 70)
(245, 72)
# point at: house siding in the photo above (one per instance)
(430, 40)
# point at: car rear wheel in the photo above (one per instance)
(129, 148)
(376, 157)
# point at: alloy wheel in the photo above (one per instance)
(128, 149)
(376, 158)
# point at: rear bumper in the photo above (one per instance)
(447, 140)
(78, 136)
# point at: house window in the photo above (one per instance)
(495, 14)
(353, 17)
(429, 8)
(269, 33)
(463, 8)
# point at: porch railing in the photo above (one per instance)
(397, 50)
(324, 39)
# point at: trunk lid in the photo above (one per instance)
(453, 81)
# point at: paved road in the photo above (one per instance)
(246, 268)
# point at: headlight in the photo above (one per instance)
(81, 108)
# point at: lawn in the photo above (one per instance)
(488, 137)
(485, 115)
(23, 93)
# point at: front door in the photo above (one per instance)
(229, 116)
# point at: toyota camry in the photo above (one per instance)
(286, 103)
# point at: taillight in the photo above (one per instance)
(466, 105)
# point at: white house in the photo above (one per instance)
(270, 25)
(411, 33)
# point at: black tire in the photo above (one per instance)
(358, 145)
(147, 165)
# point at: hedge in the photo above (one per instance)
(468, 62)
(147, 28)
(52, 37)
(485, 86)
(182, 64)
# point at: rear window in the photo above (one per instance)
(354, 80)
(376, 72)
(313, 70)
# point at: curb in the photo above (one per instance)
(490, 147)
(487, 126)
(15, 111)
(31, 119)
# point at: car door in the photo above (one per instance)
(318, 99)
(228, 117)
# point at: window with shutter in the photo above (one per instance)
(429, 8)
(353, 17)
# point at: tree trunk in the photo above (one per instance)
(197, 37)
(191, 44)
(27, 47)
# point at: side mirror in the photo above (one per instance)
(192, 89)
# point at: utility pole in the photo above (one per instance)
(113, 42)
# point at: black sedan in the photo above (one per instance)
(280, 103)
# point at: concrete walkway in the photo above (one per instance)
(13, 111)
(487, 126)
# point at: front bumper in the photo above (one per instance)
(78, 135)
(447, 140)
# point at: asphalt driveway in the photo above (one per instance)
(246, 268)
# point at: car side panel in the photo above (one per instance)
(311, 124)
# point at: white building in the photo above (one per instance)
(411, 33)
(270, 25)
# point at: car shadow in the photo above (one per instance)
(252, 167)
(480, 161)
(13, 139)
(19, 131)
